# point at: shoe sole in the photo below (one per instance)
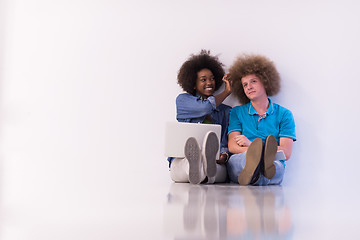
(253, 157)
(210, 148)
(193, 155)
(269, 156)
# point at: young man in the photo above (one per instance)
(258, 128)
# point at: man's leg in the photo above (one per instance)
(253, 157)
(269, 156)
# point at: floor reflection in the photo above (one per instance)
(226, 212)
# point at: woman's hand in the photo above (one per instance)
(224, 158)
(227, 91)
(228, 83)
(242, 141)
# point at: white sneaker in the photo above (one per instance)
(193, 155)
(209, 150)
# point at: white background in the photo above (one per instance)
(86, 87)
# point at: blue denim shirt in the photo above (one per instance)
(193, 109)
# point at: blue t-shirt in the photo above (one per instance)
(278, 121)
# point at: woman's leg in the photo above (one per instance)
(179, 170)
(199, 163)
(209, 149)
(221, 173)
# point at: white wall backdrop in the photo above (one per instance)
(86, 87)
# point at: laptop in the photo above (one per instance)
(176, 134)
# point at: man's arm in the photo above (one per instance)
(234, 147)
(286, 145)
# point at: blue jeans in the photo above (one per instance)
(237, 162)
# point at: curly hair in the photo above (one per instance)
(259, 65)
(188, 72)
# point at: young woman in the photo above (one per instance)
(200, 76)
(258, 128)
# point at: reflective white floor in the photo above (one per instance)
(185, 211)
(272, 212)
(227, 212)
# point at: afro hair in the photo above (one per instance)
(259, 65)
(188, 72)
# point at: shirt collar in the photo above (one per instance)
(269, 111)
(200, 98)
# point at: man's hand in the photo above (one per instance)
(242, 141)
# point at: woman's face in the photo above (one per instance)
(205, 83)
(253, 87)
